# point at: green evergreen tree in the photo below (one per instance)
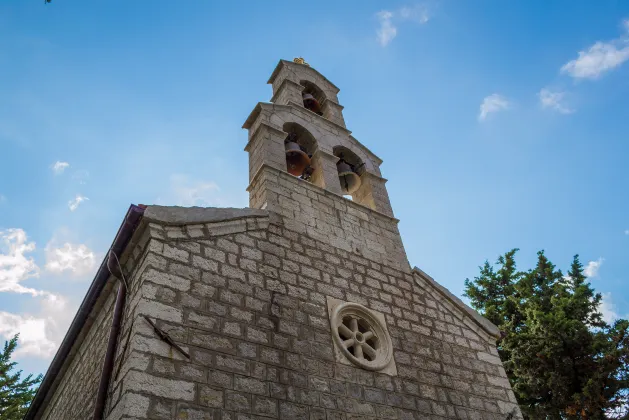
(15, 393)
(562, 359)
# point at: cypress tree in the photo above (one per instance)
(562, 359)
(15, 393)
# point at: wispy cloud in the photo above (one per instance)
(627, 232)
(58, 167)
(492, 103)
(81, 176)
(417, 13)
(388, 20)
(76, 201)
(554, 100)
(600, 58)
(387, 31)
(591, 269)
(187, 191)
(79, 260)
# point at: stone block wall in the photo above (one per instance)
(246, 299)
(328, 217)
(76, 390)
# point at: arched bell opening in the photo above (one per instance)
(313, 97)
(349, 167)
(299, 147)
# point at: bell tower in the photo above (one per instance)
(305, 165)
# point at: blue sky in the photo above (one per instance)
(501, 125)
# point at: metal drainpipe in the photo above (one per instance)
(108, 364)
(131, 222)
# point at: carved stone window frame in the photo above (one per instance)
(360, 337)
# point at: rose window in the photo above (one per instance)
(361, 336)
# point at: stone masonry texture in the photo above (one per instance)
(244, 293)
(82, 375)
(250, 308)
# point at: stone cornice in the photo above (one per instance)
(283, 63)
(318, 189)
(178, 216)
(292, 106)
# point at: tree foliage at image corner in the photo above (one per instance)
(16, 394)
(562, 359)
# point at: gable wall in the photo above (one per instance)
(247, 300)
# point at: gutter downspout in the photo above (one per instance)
(108, 364)
(130, 224)
(123, 236)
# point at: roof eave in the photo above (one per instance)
(119, 244)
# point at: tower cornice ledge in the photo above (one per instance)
(292, 107)
(308, 185)
(177, 216)
(283, 63)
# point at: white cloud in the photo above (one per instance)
(387, 30)
(591, 269)
(492, 103)
(607, 308)
(81, 176)
(189, 192)
(15, 265)
(41, 333)
(58, 167)
(627, 232)
(77, 259)
(600, 57)
(2, 198)
(74, 203)
(418, 13)
(32, 330)
(554, 101)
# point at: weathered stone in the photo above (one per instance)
(245, 293)
(210, 397)
(160, 387)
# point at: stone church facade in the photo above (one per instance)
(303, 306)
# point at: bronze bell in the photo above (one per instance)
(296, 159)
(350, 181)
(311, 103)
